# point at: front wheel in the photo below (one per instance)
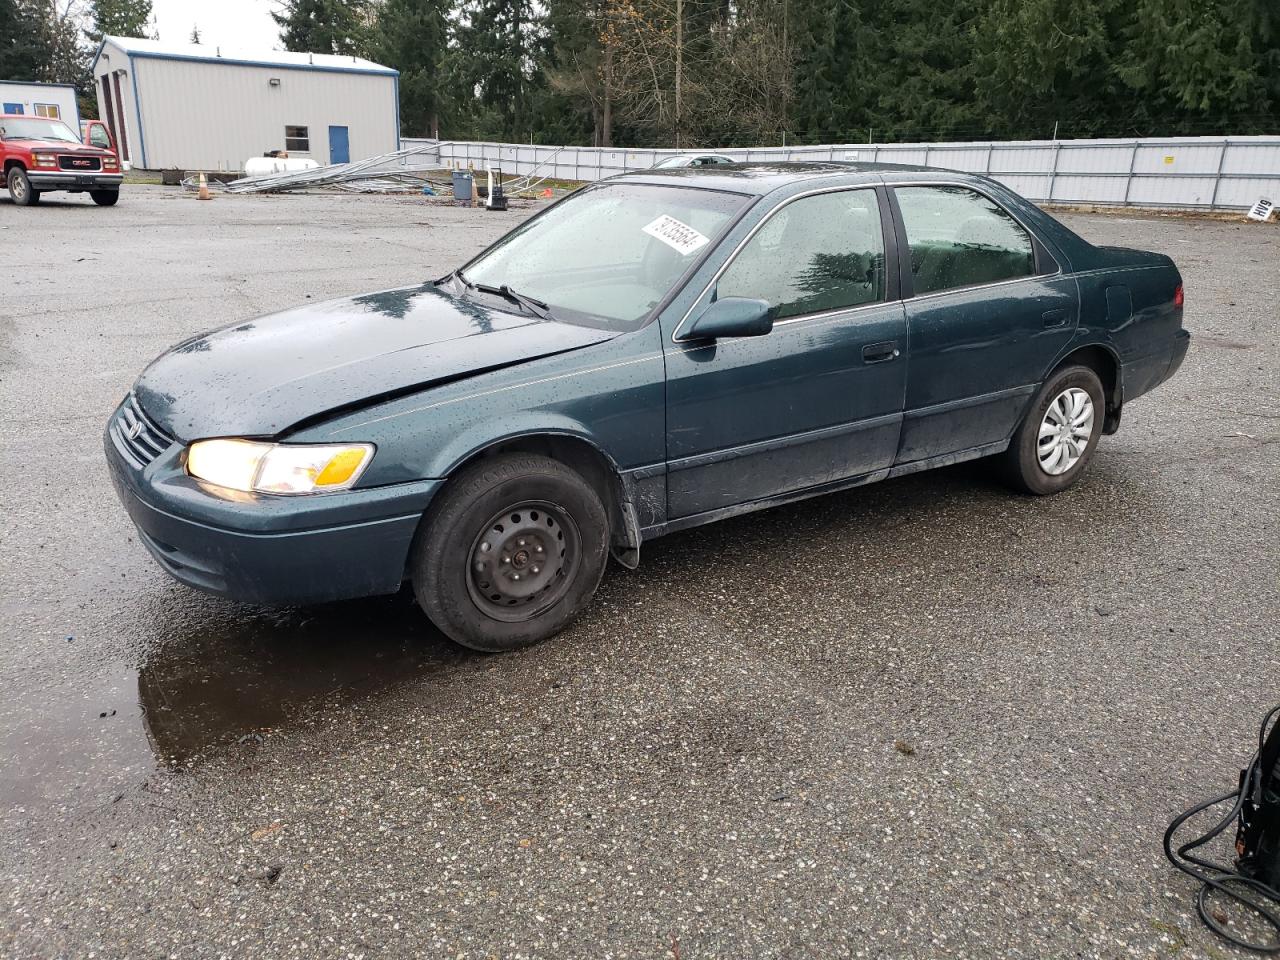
(105, 198)
(511, 553)
(1060, 433)
(20, 189)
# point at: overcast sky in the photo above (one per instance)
(245, 24)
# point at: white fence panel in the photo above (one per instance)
(1194, 172)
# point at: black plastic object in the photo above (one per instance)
(1258, 837)
(1253, 881)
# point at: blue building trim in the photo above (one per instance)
(37, 83)
(265, 64)
(137, 105)
(396, 94)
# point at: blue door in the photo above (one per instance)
(12, 108)
(339, 145)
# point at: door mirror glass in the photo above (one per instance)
(732, 317)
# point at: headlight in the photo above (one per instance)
(278, 467)
(45, 159)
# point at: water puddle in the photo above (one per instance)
(222, 675)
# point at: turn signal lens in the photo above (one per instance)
(1178, 296)
(278, 467)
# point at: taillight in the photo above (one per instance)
(1177, 296)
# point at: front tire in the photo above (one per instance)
(1058, 436)
(105, 198)
(511, 553)
(20, 189)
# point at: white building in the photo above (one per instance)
(198, 107)
(56, 100)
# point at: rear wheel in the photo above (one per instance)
(511, 553)
(105, 198)
(1060, 433)
(20, 189)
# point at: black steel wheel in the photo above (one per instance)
(511, 552)
(524, 561)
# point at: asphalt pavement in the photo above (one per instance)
(926, 718)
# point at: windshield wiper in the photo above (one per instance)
(530, 305)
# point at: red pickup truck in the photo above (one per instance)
(40, 155)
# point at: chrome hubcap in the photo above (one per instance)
(19, 187)
(523, 561)
(1065, 431)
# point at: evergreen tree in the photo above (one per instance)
(195, 35)
(23, 51)
(500, 53)
(324, 26)
(413, 36)
(118, 18)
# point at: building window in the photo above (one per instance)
(49, 110)
(296, 138)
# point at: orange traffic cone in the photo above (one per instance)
(204, 189)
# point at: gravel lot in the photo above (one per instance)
(926, 718)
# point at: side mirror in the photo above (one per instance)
(731, 317)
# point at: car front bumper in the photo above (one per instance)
(70, 180)
(268, 549)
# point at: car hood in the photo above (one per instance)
(62, 146)
(259, 378)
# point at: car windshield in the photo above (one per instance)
(36, 128)
(606, 256)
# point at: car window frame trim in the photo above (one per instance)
(888, 237)
(1038, 246)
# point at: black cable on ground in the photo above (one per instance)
(1251, 892)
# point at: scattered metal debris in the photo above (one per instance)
(402, 171)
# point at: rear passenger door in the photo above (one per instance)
(988, 310)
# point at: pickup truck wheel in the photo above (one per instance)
(105, 198)
(511, 553)
(1060, 433)
(20, 189)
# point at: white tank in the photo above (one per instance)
(262, 166)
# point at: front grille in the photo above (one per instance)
(138, 434)
(79, 163)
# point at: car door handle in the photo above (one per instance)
(1055, 318)
(880, 352)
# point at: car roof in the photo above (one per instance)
(765, 177)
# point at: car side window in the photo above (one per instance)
(960, 238)
(818, 253)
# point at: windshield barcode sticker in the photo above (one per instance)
(680, 237)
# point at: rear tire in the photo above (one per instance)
(20, 189)
(1057, 438)
(511, 553)
(105, 198)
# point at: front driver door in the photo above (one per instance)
(819, 399)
